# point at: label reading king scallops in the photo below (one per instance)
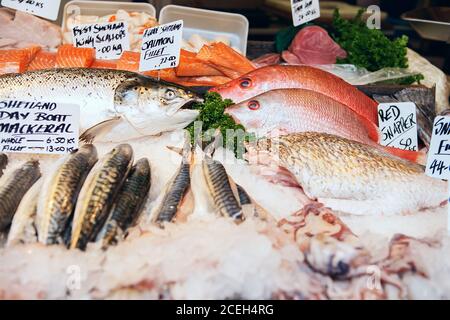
(110, 39)
(304, 11)
(38, 127)
(48, 9)
(161, 46)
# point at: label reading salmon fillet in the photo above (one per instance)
(161, 47)
(38, 127)
(110, 39)
(48, 9)
(304, 11)
(438, 162)
(398, 125)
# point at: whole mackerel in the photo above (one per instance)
(60, 192)
(13, 187)
(98, 193)
(133, 104)
(129, 203)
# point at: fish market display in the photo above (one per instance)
(129, 203)
(116, 105)
(322, 164)
(98, 193)
(312, 45)
(303, 77)
(23, 226)
(137, 23)
(13, 187)
(21, 30)
(60, 192)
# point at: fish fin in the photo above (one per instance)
(91, 133)
(413, 156)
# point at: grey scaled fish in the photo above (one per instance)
(98, 193)
(220, 189)
(174, 192)
(13, 187)
(23, 227)
(60, 192)
(128, 203)
(115, 105)
(3, 162)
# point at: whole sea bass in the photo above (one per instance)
(349, 176)
(133, 104)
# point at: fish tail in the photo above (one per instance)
(413, 156)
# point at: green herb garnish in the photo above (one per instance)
(368, 48)
(212, 117)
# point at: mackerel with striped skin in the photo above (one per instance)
(220, 189)
(61, 190)
(98, 193)
(13, 187)
(129, 203)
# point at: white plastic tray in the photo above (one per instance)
(103, 8)
(209, 24)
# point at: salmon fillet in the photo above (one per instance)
(69, 56)
(191, 66)
(43, 60)
(17, 60)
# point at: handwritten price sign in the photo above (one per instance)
(110, 39)
(304, 11)
(161, 46)
(398, 125)
(38, 127)
(438, 162)
(48, 9)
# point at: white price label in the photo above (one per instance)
(110, 39)
(48, 9)
(398, 125)
(161, 46)
(304, 11)
(38, 127)
(438, 161)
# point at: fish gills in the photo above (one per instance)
(3, 162)
(60, 194)
(220, 188)
(98, 193)
(129, 202)
(13, 188)
(174, 194)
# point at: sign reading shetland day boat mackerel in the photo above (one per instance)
(161, 46)
(304, 11)
(110, 39)
(38, 127)
(398, 125)
(48, 9)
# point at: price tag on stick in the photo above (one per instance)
(304, 11)
(161, 46)
(398, 125)
(38, 127)
(48, 9)
(110, 39)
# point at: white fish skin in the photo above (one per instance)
(23, 226)
(133, 104)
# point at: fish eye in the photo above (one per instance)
(253, 105)
(170, 94)
(245, 83)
